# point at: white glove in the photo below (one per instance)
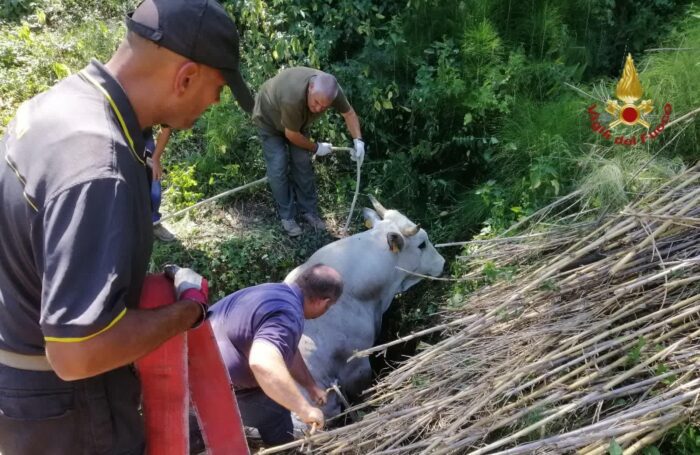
(185, 279)
(358, 154)
(323, 149)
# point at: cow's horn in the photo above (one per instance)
(410, 231)
(379, 208)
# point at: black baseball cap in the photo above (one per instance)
(199, 30)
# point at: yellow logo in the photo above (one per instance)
(629, 113)
(629, 90)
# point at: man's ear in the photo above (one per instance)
(185, 75)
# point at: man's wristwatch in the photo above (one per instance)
(202, 317)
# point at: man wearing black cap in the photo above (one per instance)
(76, 231)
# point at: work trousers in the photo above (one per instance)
(42, 414)
(273, 421)
(290, 174)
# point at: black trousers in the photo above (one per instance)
(40, 414)
(273, 421)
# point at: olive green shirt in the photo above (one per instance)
(281, 102)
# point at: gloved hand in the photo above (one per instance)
(323, 148)
(190, 285)
(358, 153)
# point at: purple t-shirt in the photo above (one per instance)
(272, 312)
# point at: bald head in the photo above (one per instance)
(324, 85)
(320, 282)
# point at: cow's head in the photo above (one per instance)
(407, 240)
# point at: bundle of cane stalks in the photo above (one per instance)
(593, 342)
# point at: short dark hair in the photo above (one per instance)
(320, 282)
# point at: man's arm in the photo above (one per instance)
(162, 141)
(302, 375)
(353, 123)
(135, 335)
(274, 378)
(300, 140)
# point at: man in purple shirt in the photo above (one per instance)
(258, 331)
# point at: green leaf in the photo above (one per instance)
(41, 17)
(467, 119)
(60, 70)
(614, 448)
(25, 33)
(555, 184)
(377, 106)
(386, 104)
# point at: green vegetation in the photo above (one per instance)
(463, 103)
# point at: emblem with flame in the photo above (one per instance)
(629, 90)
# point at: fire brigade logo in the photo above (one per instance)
(628, 111)
(629, 90)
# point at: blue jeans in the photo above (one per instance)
(290, 175)
(156, 189)
(155, 200)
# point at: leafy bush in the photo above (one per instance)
(42, 49)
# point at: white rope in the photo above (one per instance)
(354, 198)
(263, 180)
(206, 201)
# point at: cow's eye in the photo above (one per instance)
(422, 245)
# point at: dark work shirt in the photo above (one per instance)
(272, 312)
(75, 231)
(282, 102)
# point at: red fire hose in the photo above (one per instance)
(186, 366)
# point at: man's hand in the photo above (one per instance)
(190, 285)
(317, 395)
(323, 148)
(358, 153)
(311, 415)
(157, 169)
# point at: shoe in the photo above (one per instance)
(162, 233)
(314, 221)
(291, 227)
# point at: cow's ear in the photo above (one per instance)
(395, 241)
(371, 217)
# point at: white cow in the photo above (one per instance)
(369, 264)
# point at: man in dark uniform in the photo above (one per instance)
(76, 234)
(285, 108)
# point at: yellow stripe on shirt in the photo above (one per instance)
(116, 112)
(28, 198)
(77, 340)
